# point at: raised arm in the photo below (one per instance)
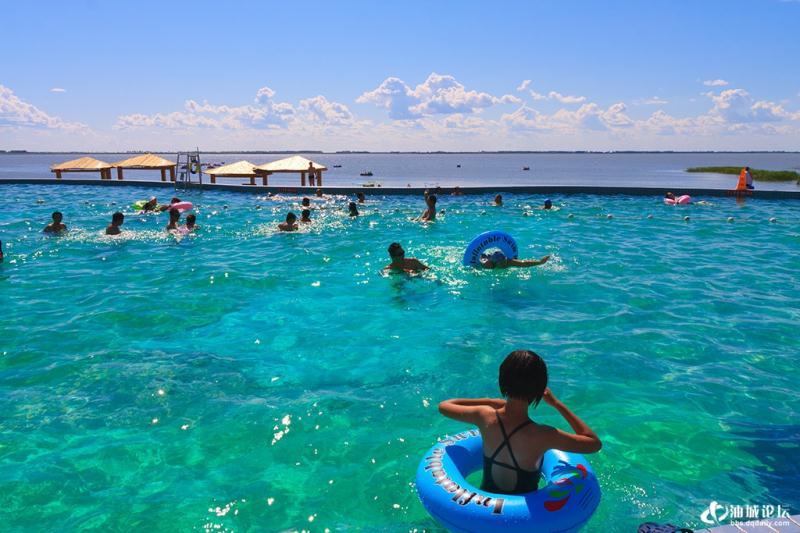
(468, 409)
(527, 262)
(583, 441)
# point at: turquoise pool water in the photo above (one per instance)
(241, 379)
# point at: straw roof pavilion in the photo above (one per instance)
(83, 164)
(296, 164)
(147, 162)
(240, 169)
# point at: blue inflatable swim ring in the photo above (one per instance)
(486, 241)
(567, 500)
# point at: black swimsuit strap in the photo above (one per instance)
(507, 442)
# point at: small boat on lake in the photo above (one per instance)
(366, 173)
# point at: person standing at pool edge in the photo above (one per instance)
(400, 262)
(745, 180)
(505, 426)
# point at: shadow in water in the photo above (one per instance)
(777, 447)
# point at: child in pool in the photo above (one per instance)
(56, 226)
(174, 218)
(513, 444)
(191, 224)
(353, 209)
(499, 260)
(305, 216)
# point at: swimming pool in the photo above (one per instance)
(242, 378)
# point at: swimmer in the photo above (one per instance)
(56, 226)
(510, 437)
(547, 204)
(498, 200)
(499, 260)
(361, 198)
(117, 220)
(306, 203)
(457, 191)
(175, 200)
(430, 213)
(290, 224)
(305, 216)
(353, 209)
(669, 196)
(400, 262)
(319, 194)
(174, 218)
(150, 205)
(190, 224)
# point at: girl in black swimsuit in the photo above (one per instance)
(512, 459)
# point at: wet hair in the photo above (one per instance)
(117, 218)
(523, 375)
(353, 208)
(190, 219)
(291, 217)
(669, 195)
(394, 248)
(57, 215)
(360, 195)
(174, 215)
(548, 202)
(306, 213)
(432, 198)
(175, 200)
(306, 201)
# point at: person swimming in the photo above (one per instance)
(353, 209)
(190, 225)
(306, 203)
(513, 444)
(56, 226)
(318, 193)
(401, 262)
(429, 215)
(290, 224)
(305, 216)
(360, 197)
(174, 218)
(547, 204)
(117, 219)
(150, 205)
(498, 200)
(498, 259)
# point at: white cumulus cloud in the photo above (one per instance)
(438, 94)
(524, 85)
(715, 83)
(16, 112)
(566, 99)
(57, 90)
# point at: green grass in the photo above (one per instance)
(758, 174)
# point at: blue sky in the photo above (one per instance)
(449, 75)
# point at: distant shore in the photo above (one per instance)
(758, 174)
(344, 152)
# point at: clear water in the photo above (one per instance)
(399, 170)
(251, 380)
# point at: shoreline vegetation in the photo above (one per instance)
(758, 174)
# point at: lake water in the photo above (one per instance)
(242, 379)
(647, 170)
